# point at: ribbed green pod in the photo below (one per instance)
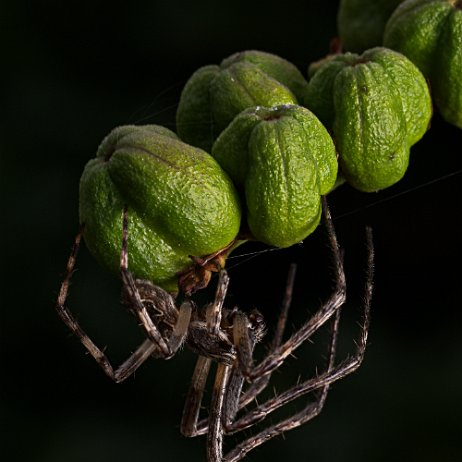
(214, 95)
(180, 203)
(377, 105)
(282, 159)
(429, 33)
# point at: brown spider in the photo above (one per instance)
(228, 337)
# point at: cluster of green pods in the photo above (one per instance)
(377, 105)
(428, 32)
(257, 146)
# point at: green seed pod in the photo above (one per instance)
(282, 159)
(429, 33)
(377, 106)
(361, 23)
(180, 203)
(214, 95)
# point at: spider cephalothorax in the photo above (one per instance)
(222, 346)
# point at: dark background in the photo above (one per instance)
(75, 70)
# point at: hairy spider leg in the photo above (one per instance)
(278, 353)
(189, 420)
(168, 347)
(217, 422)
(188, 426)
(229, 379)
(335, 301)
(215, 428)
(126, 368)
(322, 381)
(310, 411)
(234, 400)
(148, 347)
(215, 309)
(228, 386)
(260, 383)
(242, 347)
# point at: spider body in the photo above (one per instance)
(220, 346)
(162, 311)
(160, 308)
(227, 337)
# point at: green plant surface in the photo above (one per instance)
(282, 159)
(377, 105)
(214, 95)
(180, 203)
(429, 33)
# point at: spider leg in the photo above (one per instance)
(231, 403)
(229, 380)
(190, 425)
(322, 382)
(215, 310)
(311, 410)
(166, 347)
(259, 384)
(233, 399)
(215, 421)
(328, 309)
(244, 344)
(190, 417)
(132, 363)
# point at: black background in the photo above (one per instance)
(73, 71)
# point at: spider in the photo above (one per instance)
(208, 332)
(228, 337)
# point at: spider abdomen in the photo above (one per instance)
(159, 304)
